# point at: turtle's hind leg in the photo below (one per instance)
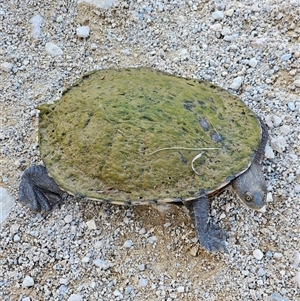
(211, 237)
(38, 190)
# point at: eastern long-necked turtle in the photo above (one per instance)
(140, 136)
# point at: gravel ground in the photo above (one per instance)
(90, 251)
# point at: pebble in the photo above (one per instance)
(83, 31)
(269, 154)
(237, 83)
(216, 27)
(252, 62)
(285, 129)
(279, 144)
(104, 4)
(218, 15)
(229, 12)
(7, 201)
(128, 243)
(277, 297)
(36, 24)
(297, 83)
(297, 279)
(102, 264)
(91, 224)
(28, 282)
(269, 197)
(143, 282)
(6, 66)
(292, 106)
(286, 57)
(68, 218)
(296, 259)
(26, 299)
(75, 297)
(180, 289)
(53, 49)
(258, 254)
(261, 272)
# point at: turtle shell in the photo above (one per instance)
(142, 135)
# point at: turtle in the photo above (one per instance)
(135, 136)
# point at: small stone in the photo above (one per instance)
(128, 290)
(278, 255)
(68, 218)
(258, 254)
(269, 154)
(276, 120)
(85, 259)
(91, 224)
(64, 281)
(141, 267)
(261, 272)
(83, 31)
(259, 43)
(7, 201)
(216, 27)
(143, 282)
(152, 239)
(128, 243)
(102, 264)
(75, 297)
(194, 250)
(117, 293)
(252, 62)
(26, 299)
(104, 4)
(277, 297)
(286, 57)
(297, 83)
(291, 106)
(218, 15)
(53, 49)
(59, 19)
(180, 289)
(229, 12)
(36, 24)
(27, 282)
(297, 279)
(16, 238)
(279, 144)
(6, 66)
(237, 82)
(296, 259)
(285, 129)
(269, 197)
(225, 31)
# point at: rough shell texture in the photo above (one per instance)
(132, 134)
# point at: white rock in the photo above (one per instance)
(297, 279)
(229, 12)
(297, 83)
(102, 264)
(26, 299)
(276, 120)
(258, 254)
(68, 218)
(7, 201)
(279, 144)
(105, 4)
(85, 259)
(226, 31)
(36, 24)
(259, 43)
(143, 282)
(218, 15)
(269, 154)
(83, 31)
(285, 129)
(216, 27)
(75, 297)
(53, 49)
(27, 282)
(180, 289)
(6, 66)
(291, 106)
(128, 243)
(252, 62)
(91, 224)
(296, 259)
(236, 84)
(269, 197)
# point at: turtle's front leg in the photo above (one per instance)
(211, 237)
(38, 190)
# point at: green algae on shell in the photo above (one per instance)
(132, 134)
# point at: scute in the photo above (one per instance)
(132, 134)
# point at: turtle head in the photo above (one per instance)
(251, 188)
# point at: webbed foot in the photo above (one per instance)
(211, 237)
(38, 190)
